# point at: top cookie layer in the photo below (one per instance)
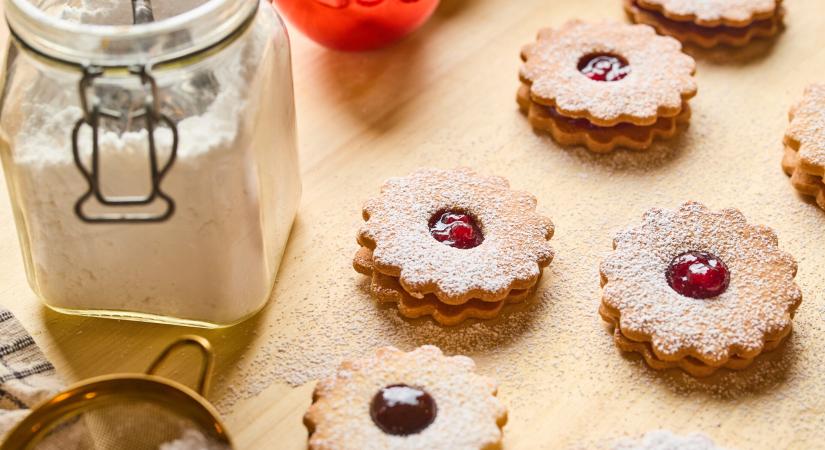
(513, 252)
(713, 13)
(660, 78)
(757, 305)
(469, 416)
(806, 131)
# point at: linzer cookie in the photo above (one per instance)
(387, 289)
(421, 399)
(709, 23)
(606, 85)
(698, 290)
(804, 158)
(452, 244)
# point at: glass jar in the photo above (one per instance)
(150, 155)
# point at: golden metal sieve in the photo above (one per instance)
(128, 412)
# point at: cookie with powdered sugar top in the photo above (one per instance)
(608, 73)
(698, 283)
(457, 235)
(804, 156)
(415, 400)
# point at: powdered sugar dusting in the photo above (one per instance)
(666, 440)
(514, 250)
(661, 74)
(562, 378)
(806, 131)
(757, 305)
(468, 415)
(706, 37)
(714, 12)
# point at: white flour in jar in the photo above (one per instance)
(234, 183)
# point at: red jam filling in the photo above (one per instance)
(456, 229)
(402, 410)
(698, 275)
(604, 67)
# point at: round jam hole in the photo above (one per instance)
(698, 275)
(401, 410)
(456, 229)
(604, 67)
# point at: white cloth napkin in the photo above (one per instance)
(26, 376)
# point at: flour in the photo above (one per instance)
(234, 184)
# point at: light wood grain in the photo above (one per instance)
(445, 97)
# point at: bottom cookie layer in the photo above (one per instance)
(705, 37)
(689, 364)
(570, 131)
(804, 183)
(388, 289)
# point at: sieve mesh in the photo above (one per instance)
(130, 425)
(128, 412)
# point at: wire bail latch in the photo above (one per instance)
(93, 112)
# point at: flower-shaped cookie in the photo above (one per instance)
(804, 157)
(806, 132)
(648, 75)
(714, 13)
(456, 235)
(416, 400)
(694, 283)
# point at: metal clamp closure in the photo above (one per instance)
(93, 112)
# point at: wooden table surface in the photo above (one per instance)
(445, 97)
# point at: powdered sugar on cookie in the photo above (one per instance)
(687, 31)
(757, 305)
(806, 131)
(659, 81)
(711, 13)
(511, 256)
(468, 414)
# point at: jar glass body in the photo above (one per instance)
(206, 251)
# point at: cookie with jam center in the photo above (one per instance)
(605, 85)
(407, 400)
(698, 289)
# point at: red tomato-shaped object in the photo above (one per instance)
(356, 24)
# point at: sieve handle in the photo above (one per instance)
(207, 361)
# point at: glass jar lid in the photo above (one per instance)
(103, 33)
